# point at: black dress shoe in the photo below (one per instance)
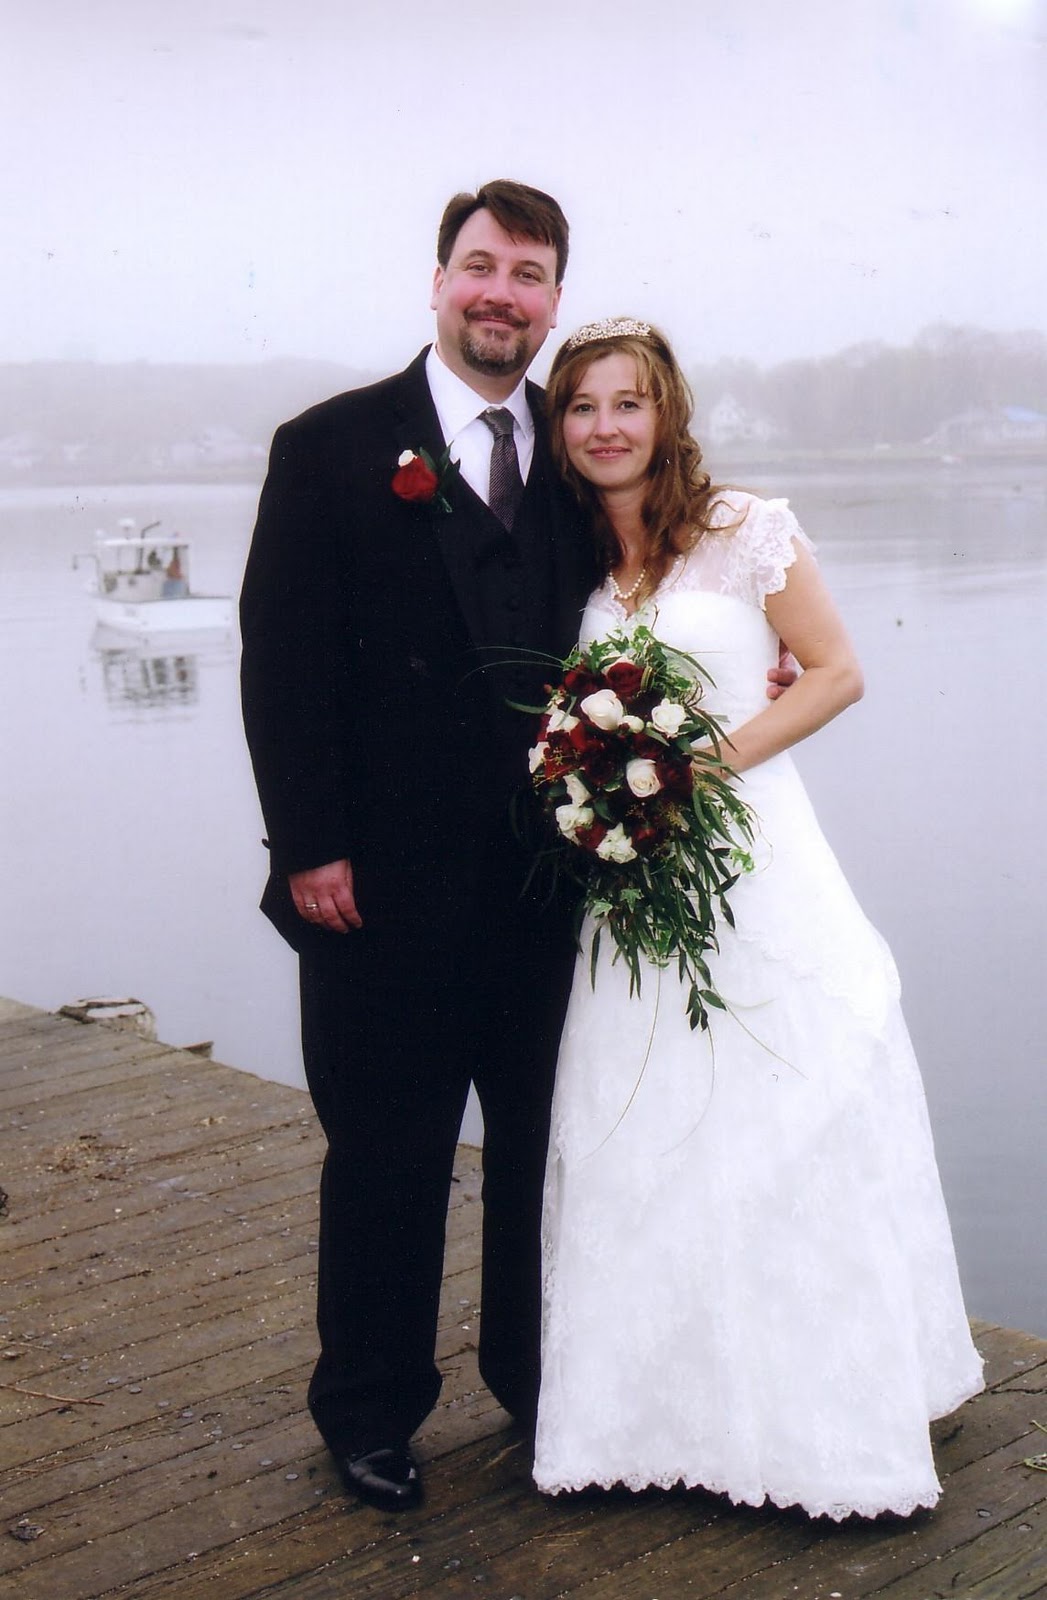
(388, 1479)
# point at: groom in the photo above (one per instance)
(385, 756)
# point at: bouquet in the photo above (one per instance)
(628, 767)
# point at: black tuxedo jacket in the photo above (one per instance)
(375, 716)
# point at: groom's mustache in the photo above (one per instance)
(493, 315)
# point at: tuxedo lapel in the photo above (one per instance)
(469, 530)
(417, 427)
(461, 535)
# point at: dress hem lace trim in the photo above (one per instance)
(899, 1506)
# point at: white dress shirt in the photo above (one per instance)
(471, 441)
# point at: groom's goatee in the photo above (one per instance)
(494, 359)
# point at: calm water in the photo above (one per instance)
(130, 840)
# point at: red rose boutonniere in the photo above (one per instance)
(422, 481)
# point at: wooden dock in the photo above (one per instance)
(156, 1336)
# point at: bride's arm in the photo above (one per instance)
(806, 620)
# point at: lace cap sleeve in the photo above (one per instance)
(762, 549)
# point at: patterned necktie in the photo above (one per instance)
(506, 485)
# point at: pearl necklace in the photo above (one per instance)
(622, 595)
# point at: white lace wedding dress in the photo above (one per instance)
(749, 1277)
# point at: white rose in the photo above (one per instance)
(615, 846)
(634, 724)
(569, 818)
(604, 708)
(561, 721)
(667, 717)
(536, 755)
(642, 777)
(576, 789)
(405, 458)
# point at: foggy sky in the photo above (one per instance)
(232, 180)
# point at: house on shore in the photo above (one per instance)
(992, 428)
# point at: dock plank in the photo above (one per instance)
(156, 1337)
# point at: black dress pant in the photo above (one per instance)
(395, 1026)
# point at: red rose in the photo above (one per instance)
(584, 736)
(676, 774)
(646, 838)
(596, 756)
(592, 837)
(559, 757)
(645, 703)
(556, 766)
(625, 678)
(416, 482)
(643, 748)
(579, 681)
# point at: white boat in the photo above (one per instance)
(142, 585)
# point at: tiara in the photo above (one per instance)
(609, 328)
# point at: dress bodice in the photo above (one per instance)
(711, 602)
(710, 605)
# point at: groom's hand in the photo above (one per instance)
(324, 896)
(783, 676)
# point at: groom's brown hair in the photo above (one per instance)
(523, 212)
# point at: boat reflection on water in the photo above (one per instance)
(157, 674)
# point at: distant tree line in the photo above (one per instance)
(143, 418)
(76, 420)
(874, 393)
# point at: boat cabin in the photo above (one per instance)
(142, 564)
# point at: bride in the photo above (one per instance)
(749, 1279)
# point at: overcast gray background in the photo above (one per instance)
(236, 180)
(230, 180)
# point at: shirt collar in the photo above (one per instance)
(457, 404)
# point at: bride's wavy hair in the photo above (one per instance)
(680, 495)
